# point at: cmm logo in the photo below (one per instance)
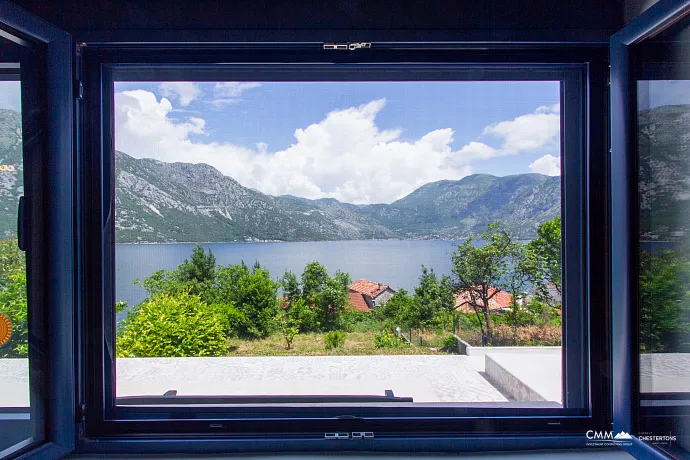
(599, 435)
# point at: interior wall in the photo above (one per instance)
(534, 20)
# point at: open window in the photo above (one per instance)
(36, 238)
(278, 245)
(650, 121)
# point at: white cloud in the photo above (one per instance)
(529, 132)
(184, 91)
(10, 95)
(229, 92)
(548, 164)
(344, 156)
(233, 89)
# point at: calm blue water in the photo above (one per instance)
(393, 262)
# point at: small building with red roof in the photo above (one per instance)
(366, 295)
(500, 302)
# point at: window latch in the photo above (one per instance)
(80, 413)
(346, 46)
(347, 436)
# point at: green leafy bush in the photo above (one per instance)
(13, 298)
(234, 319)
(334, 339)
(289, 334)
(359, 321)
(450, 344)
(253, 293)
(389, 340)
(305, 318)
(179, 325)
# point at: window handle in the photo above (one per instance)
(21, 224)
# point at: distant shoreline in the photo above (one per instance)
(454, 240)
(280, 241)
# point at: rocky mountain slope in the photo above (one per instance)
(181, 202)
(663, 145)
(166, 202)
(451, 209)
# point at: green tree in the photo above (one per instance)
(253, 293)
(332, 301)
(546, 253)
(290, 286)
(314, 279)
(522, 263)
(327, 297)
(427, 301)
(664, 301)
(479, 271)
(198, 272)
(195, 275)
(289, 321)
(393, 312)
(201, 267)
(179, 325)
(13, 298)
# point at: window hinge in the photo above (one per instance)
(346, 436)
(79, 89)
(346, 46)
(80, 414)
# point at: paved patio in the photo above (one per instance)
(425, 378)
(430, 378)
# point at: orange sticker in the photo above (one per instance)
(5, 329)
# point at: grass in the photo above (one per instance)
(312, 344)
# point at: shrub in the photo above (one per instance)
(178, 325)
(389, 340)
(13, 298)
(334, 339)
(235, 320)
(289, 334)
(450, 344)
(359, 321)
(304, 317)
(543, 335)
(253, 293)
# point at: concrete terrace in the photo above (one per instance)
(427, 378)
(492, 376)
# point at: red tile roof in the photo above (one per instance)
(357, 302)
(499, 301)
(368, 288)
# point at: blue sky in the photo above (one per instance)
(251, 132)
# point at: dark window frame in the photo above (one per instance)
(46, 225)
(629, 414)
(497, 427)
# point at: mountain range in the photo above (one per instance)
(181, 202)
(175, 202)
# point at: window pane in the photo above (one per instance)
(339, 238)
(663, 124)
(16, 423)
